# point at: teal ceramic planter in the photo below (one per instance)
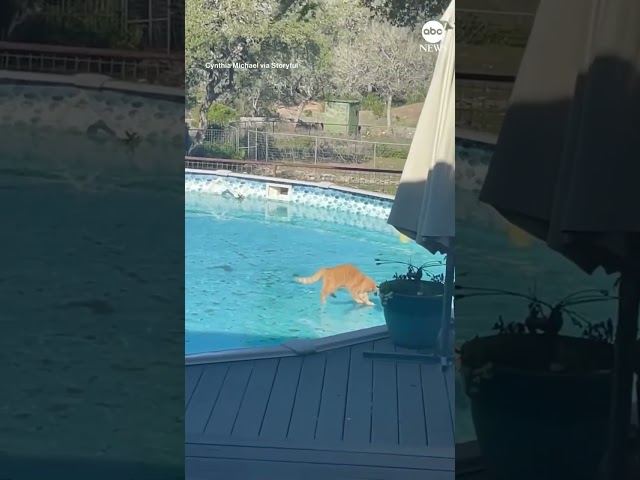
(413, 321)
(539, 425)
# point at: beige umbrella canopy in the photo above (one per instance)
(424, 206)
(566, 164)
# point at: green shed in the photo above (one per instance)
(342, 116)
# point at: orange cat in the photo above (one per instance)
(343, 276)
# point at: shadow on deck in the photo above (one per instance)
(335, 412)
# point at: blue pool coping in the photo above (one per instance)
(320, 185)
(290, 348)
(479, 138)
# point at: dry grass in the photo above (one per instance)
(403, 116)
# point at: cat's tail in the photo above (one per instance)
(317, 276)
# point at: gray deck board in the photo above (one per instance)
(436, 405)
(204, 397)
(226, 408)
(357, 417)
(256, 398)
(334, 413)
(411, 411)
(293, 453)
(435, 462)
(307, 402)
(191, 379)
(450, 380)
(199, 468)
(278, 414)
(384, 421)
(330, 425)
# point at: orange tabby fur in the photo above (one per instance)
(343, 276)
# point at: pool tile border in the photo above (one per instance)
(325, 195)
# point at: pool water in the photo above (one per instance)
(241, 258)
(72, 243)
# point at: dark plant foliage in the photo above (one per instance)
(415, 273)
(407, 13)
(549, 318)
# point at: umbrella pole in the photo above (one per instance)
(445, 327)
(625, 341)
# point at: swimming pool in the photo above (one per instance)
(242, 255)
(71, 239)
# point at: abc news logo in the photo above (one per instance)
(433, 32)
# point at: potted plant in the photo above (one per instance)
(412, 304)
(540, 400)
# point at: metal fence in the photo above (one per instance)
(160, 23)
(264, 146)
(303, 127)
(495, 27)
(482, 100)
(220, 136)
(95, 11)
(150, 67)
(369, 179)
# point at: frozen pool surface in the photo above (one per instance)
(241, 257)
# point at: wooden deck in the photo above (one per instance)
(332, 414)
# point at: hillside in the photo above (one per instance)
(403, 116)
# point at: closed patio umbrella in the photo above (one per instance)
(424, 206)
(566, 168)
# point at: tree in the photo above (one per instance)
(407, 13)
(307, 41)
(217, 35)
(222, 34)
(309, 50)
(15, 12)
(402, 13)
(386, 60)
(335, 46)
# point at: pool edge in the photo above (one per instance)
(93, 82)
(261, 178)
(486, 138)
(290, 348)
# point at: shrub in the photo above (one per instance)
(218, 150)
(374, 103)
(76, 28)
(416, 97)
(221, 115)
(392, 151)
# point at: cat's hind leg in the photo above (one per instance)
(326, 291)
